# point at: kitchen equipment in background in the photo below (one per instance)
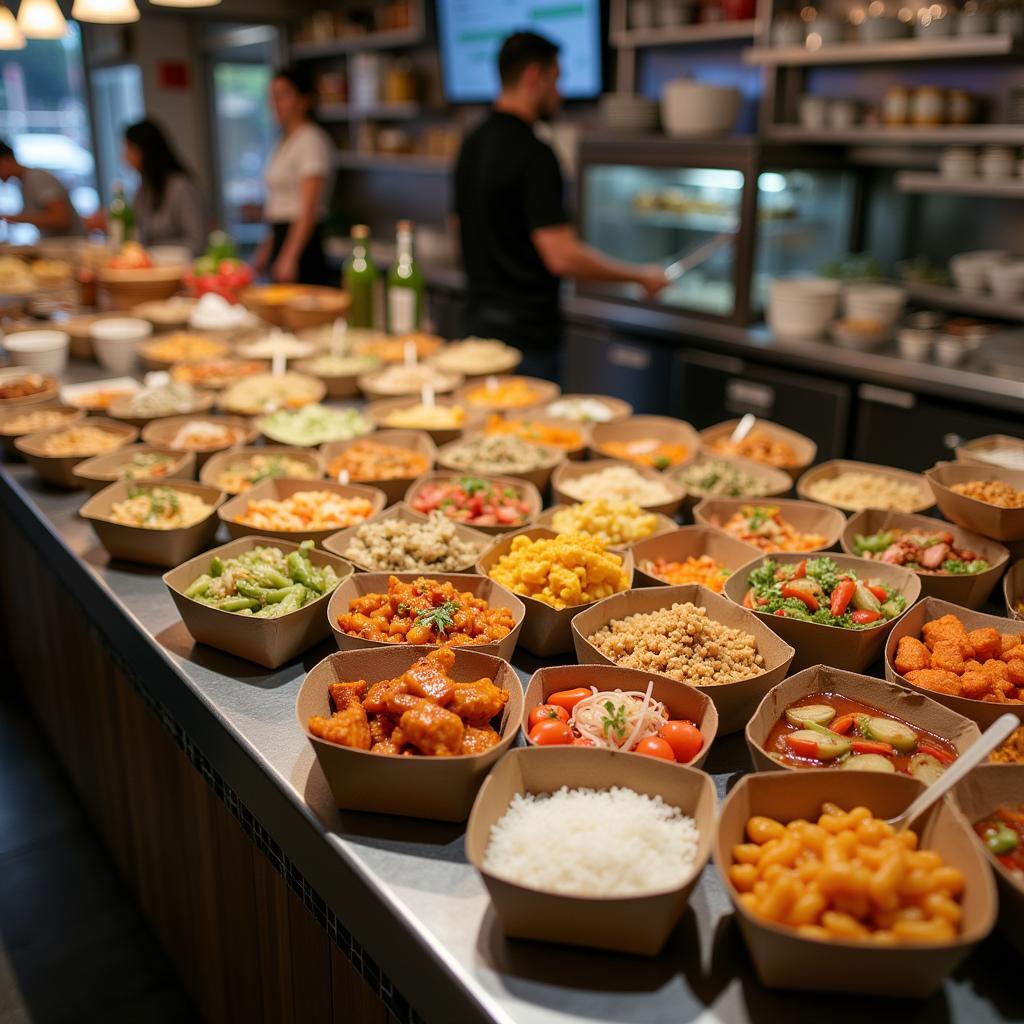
(365, 78)
(928, 106)
(915, 342)
(800, 309)
(882, 303)
(970, 269)
(628, 112)
(691, 108)
(787, 30)
(974, 19)
(1006, 280)
(400, 84)
(813, 111)
(896, 105)
(882, 26)
(997, 162)
(958, 162)
(960, 107)
(842, 114)
(701, 254)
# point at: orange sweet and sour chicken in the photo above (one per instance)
(980, 665)
(424, 711)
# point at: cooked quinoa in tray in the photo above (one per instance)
(395, 545)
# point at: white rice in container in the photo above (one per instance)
(587, 842)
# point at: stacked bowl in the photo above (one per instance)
(799, 309)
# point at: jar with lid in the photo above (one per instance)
(896, 106)
(928, 106)
(975, 19)
(960, 107)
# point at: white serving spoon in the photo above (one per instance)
(744, 427)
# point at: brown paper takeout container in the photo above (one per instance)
(279, 489)
(546, 631)
(569, 471)
(378, 412)
(51, 388)
(684, 702)
(101, 470)
(527, 493)
(342, 385)
(121, 409)
(368, 383)
(268, 642)
(804, 516)
(624, 924)
(666, 429)
(361, 583)
(162, 433)
(834, 467)
(162, 548)
(969, 591)
(910, 624)
(805, 449)
(972, 451)
(1013, 590)
(394, 488)
(536, 418)
(784, 959)
(540, 476)
(217, 464)
(913, 708)
(440, 788)
(546, 391)
(619, 409)
(986, 788)
(8, 435)
(689, 542)
(338, 542)
(1006, 524)
(663, 525)
(58, 470)
(776, 482)
(851, 649)
(733, 701)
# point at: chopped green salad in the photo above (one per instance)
(817, 590)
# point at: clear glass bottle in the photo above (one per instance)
(405, 284)
(360, 279)
(121, 220)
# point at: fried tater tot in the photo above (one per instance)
(937, 680)
(986, 643)
(911, 655)
(949, 627)
(947, 657)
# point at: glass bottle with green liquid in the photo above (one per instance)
(360, 280)
(121, 220)
(405, 285)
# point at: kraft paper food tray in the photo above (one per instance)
(440, 788)
(59, 470)
(339, 385)
(1013, 590)
(971, 451)
(851, 649)
(535, 418)
(546, 631)
(316, 391)
(970, 591)
(785, 960)
(977, 796)
(378, 412)
(509, 359)
(664, 525)
(51, 388)
(162, 432)
(834, 467)
(217, 464)
(367, 384)
(777, 483)
(805, 449)
(804, 516)
(279, 489)
(540, 476)
(980, 711)
(162, 548)
(72, 414)
(619, 409)
(120, 409)
(625, 924)
(362, 583)
(689, 542)
(666, 429)
(338, 542)
(395, 488)
(100, 471)
(151, 361)
(570, 471)
(268, 642)
(684, 702)
(527, 493)
(733, 701)
(546, 391)
(1005, 524)
(913, 708)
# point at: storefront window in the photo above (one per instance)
(118, 102)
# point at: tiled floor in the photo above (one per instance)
(73, 945)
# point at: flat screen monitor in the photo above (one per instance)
(472, 31)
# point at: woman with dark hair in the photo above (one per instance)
(168, 207)
(297, 179)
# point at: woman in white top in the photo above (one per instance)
(297, 180)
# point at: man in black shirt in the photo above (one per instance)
(517, 240)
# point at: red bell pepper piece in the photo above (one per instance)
(872, 747)
(789, 590)
(842, 596)
(802, 747)
(863, 616)
(940, 755)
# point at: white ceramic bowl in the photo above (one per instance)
(42, 351)
(970, 269)
(801, 309)
(114, 341)
(1006, 280)
(915, 343)
(881, 302)
(950, 351)
(698, 108)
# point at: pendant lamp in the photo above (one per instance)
(41, 19)
(11, 37)
(184, 3)
(105, 12)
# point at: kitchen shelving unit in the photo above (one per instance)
(995, 188)
(953, 48)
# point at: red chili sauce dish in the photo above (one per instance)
(828, 730)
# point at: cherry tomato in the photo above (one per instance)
(684, 738)
(864, 616)
(551, 732)
(544, 712)
(568, 699)
(655, 746)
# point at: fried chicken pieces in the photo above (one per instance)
(981, 664)
(423, 711)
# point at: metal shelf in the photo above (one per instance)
(683, 35)
(965, 302)
(378, 112)
(408, 162)
(957, 48)
(395, 39)
(997, 188)
(967, 134)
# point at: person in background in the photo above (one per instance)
(517, 239)
(297, 179)
(45, 202)
(168, 207)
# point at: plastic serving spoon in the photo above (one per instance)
(744, 427)
(998, 731)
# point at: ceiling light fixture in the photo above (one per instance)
(11, 37)
(41, 19)
(105, 12)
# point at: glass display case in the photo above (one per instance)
(753, 213)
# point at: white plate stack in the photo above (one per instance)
(627, 112)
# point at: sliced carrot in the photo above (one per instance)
(872, 747)
(802, 747)
(843, 725)
(939, 755)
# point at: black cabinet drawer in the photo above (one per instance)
(709, 388)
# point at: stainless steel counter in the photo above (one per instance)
(402, 887)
